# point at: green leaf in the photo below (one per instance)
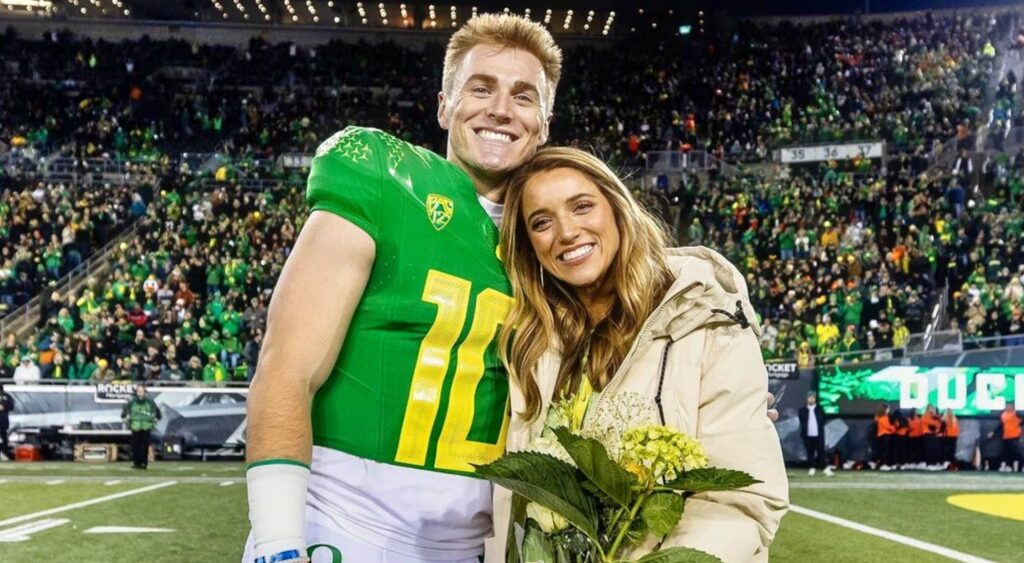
(711, 479)
(661, 512)
(592, 459)
(547, 481)
(537, 547)
(679, 555)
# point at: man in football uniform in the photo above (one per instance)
(379, 386)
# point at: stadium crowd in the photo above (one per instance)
(839, 259)
(185, 300)
(839, 263)
(737, 94)
(47, 230)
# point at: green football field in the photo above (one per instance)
(180, 511)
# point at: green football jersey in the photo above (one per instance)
(418, 381)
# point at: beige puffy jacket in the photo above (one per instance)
(714, 388)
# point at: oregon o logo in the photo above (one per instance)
(335, 552)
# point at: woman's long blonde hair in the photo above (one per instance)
(639, 277)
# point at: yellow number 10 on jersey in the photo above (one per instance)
(455, 452)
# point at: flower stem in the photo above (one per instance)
(615, 519)
(614, 551)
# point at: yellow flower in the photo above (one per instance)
(658, 453)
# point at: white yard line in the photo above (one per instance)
(22, 533)
(226, 483)
(103, 479)
(85, 503)
(924, 546)
(55, 482)
(114, 482)
(126, 530)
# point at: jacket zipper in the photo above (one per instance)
(661, 379)
(739, 318)
(632, 350)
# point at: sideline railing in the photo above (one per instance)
(959, 344)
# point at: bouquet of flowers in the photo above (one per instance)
(594, 495)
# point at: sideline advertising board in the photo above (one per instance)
(967, 390)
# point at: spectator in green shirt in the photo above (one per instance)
(211, 345)
(231, 351)
(65, 322)
(213, 372)
(140, 414)
(81, 370)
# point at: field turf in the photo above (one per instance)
(51, 512)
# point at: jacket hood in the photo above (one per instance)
(707, 289)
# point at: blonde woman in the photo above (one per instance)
(603, 308)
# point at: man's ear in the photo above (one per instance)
(545, 129)
(442, 113)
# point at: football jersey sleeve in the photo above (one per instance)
(346, 178)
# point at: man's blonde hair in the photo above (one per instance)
(505, 30)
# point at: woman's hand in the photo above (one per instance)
(773, 414)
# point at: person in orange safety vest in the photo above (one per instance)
(1009, 429)
(885, 430)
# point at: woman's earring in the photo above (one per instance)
(541, 275)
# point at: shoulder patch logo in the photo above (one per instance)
(439, 210)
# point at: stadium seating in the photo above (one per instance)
(870, 248)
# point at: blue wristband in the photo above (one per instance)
(281, 557)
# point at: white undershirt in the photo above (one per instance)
(812, 423)
(492, 209)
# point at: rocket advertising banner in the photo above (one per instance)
(208, 418)
(781, 370)
(968, 391)
(114, 392)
